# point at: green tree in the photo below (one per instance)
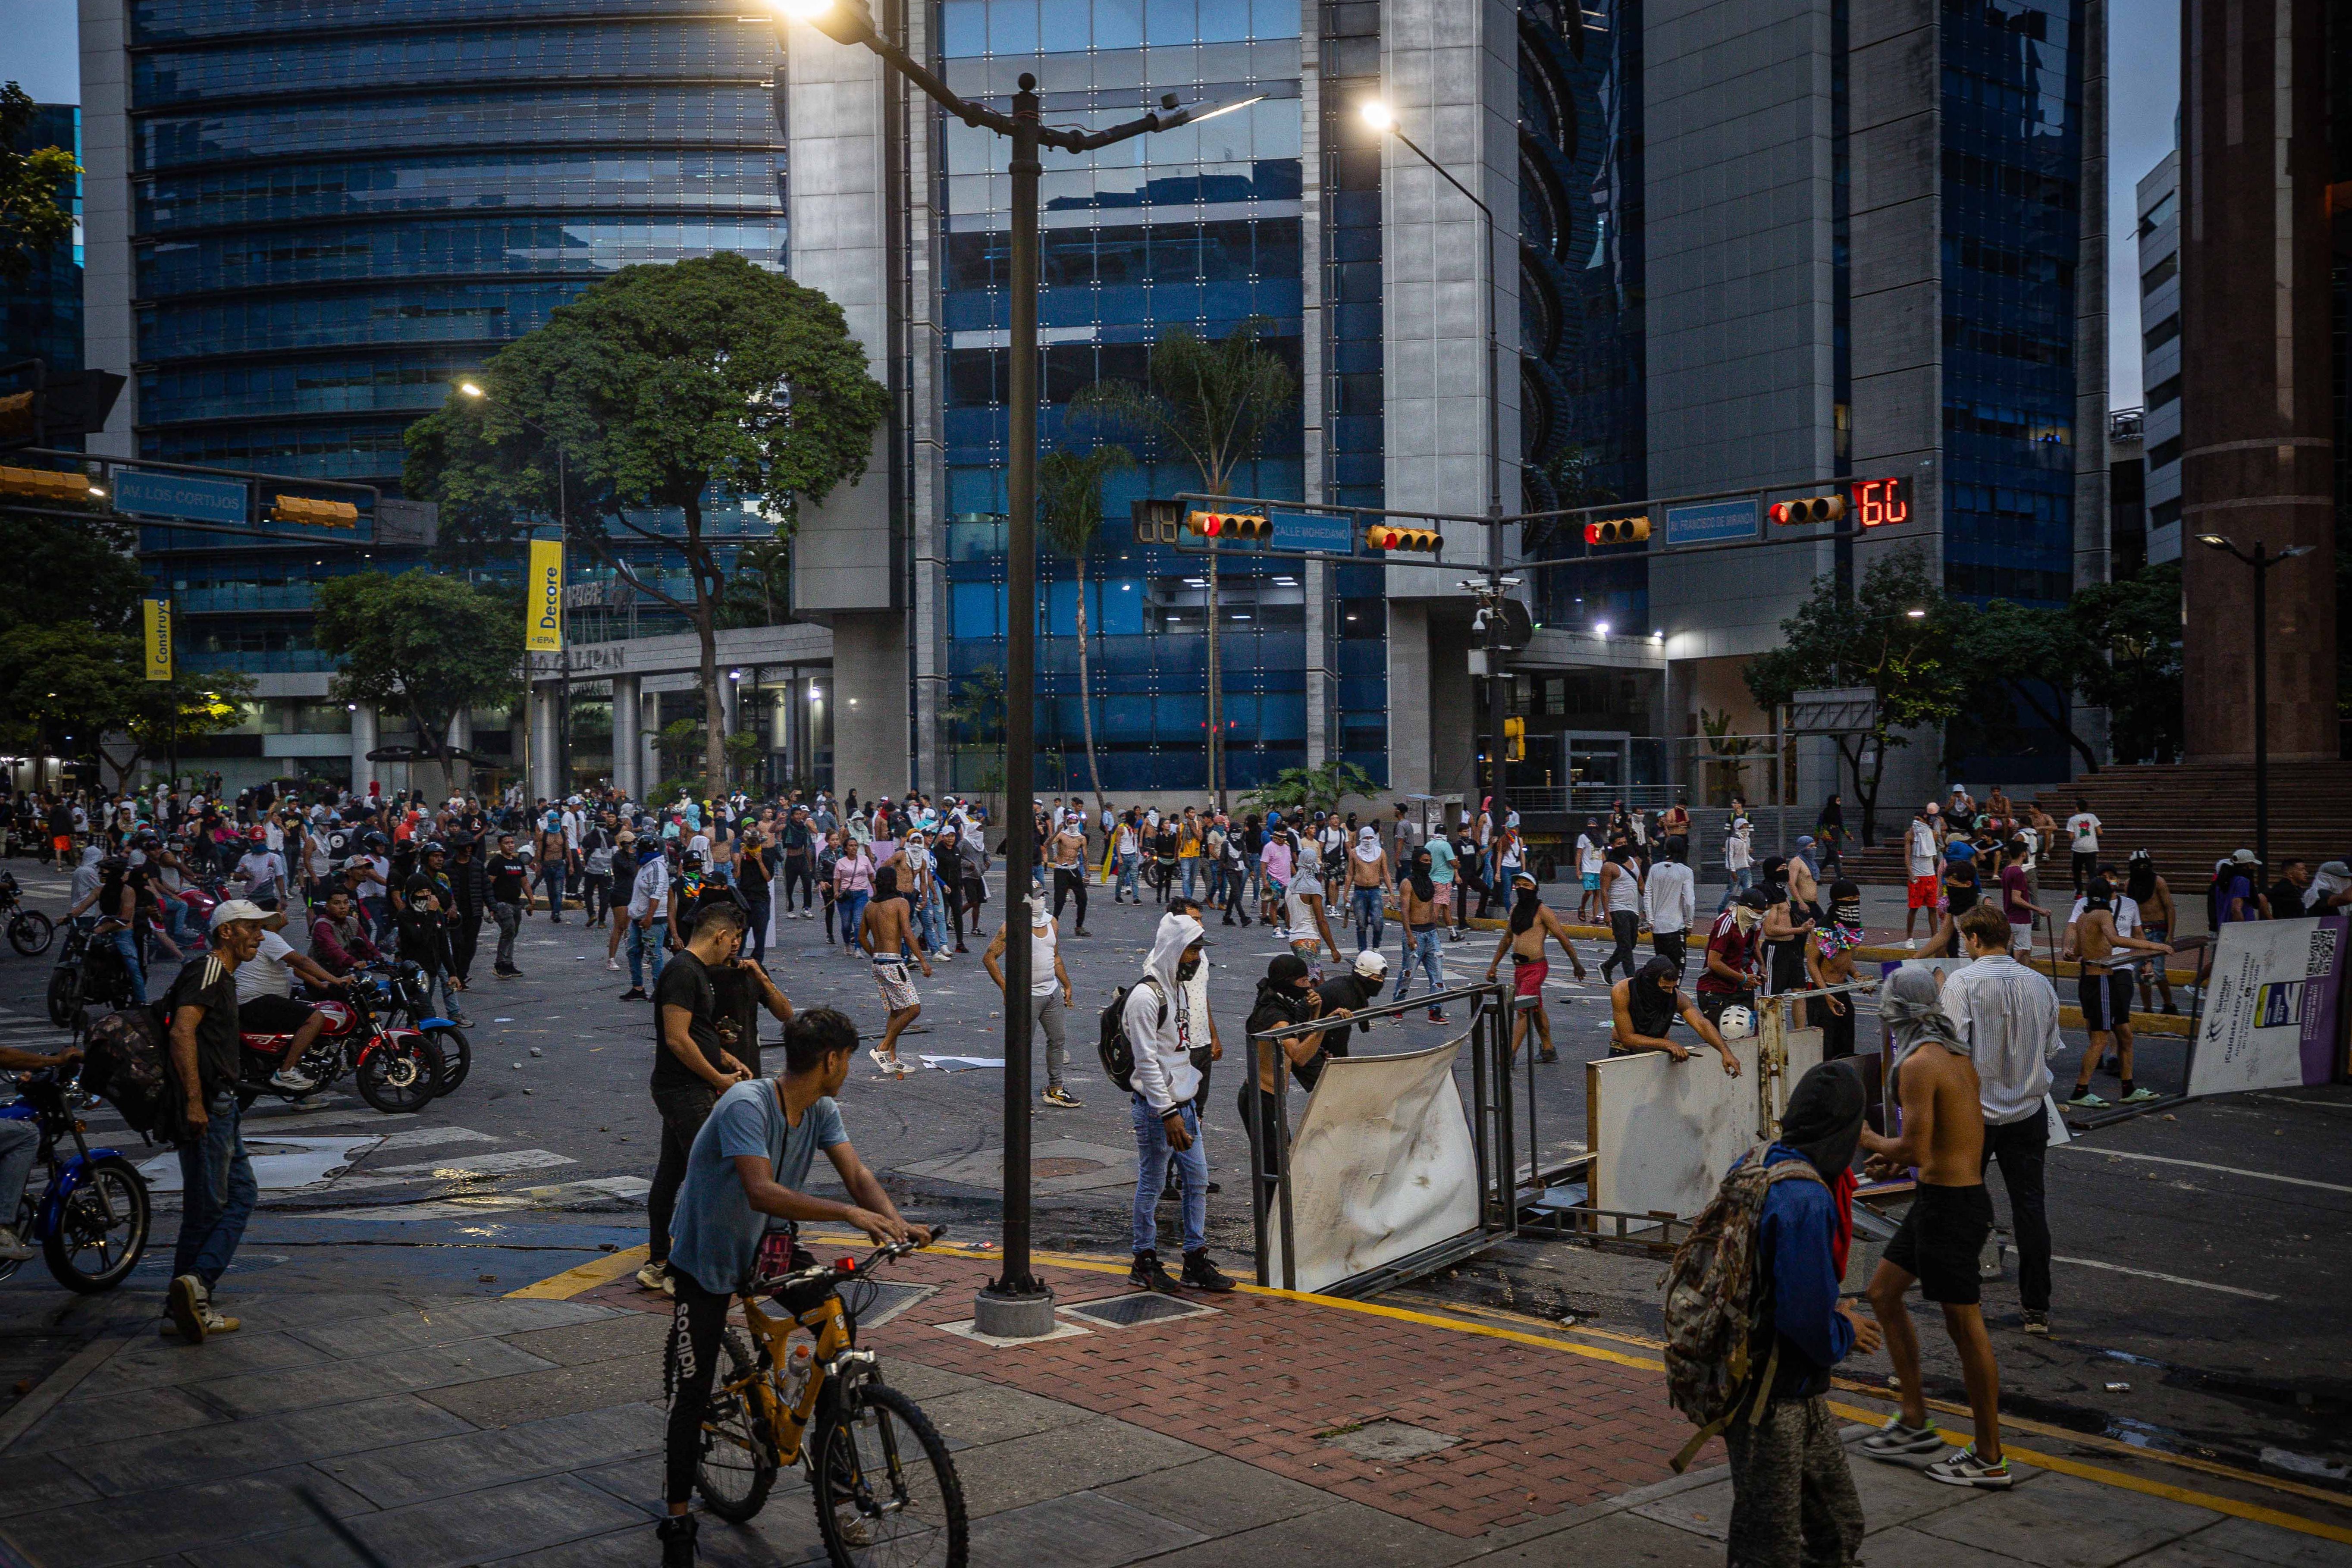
(162, 716)
(978, 708)
(420, 644)
(760, 588)
(2042, 654)
(2134, 627)
(69, 573)
(1873, 639)
(1208, 405)
(1312, 789)
(64, 687)
(1069, 512)
(36, 190)
(667, 388)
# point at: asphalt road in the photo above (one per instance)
(2197, 1296)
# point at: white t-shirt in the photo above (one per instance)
(1921, 842)
(2084, 829)
(2125, 911)
(263, 872)
(266, 974)
(1589, 856)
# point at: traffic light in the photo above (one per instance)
(1617, 530)
(1882, 503)
(1514, 739)
(1156, 521)
(317, 513)
(57, 406)
(1388, 536)
(1811, 509)
(1227, 525)
(52, 485)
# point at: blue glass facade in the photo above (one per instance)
(341, 207)
(43, 319)
(2013, 100)
(1197, 228)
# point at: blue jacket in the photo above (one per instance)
(1795, 1238)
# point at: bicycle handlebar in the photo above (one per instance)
(821, 1272)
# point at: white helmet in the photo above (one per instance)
(1371, 963)
(1736, 1024)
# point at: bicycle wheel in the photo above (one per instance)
(887, 1492)
(399, 1073)
(739, 1454)
(102, 1232)
(30, 932)
(65, 994)
(456, 1057)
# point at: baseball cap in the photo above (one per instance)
(2243, 857)
(1371, 963)
(229, 909)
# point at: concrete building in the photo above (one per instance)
(2159, 210)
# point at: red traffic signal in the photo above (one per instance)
(1617, 530)
(1810, 509)
(1882, 503)
(1387, 536)
(1226, 525)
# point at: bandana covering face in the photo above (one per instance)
(1836, 938)
(1744, 919)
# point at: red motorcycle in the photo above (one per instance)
(396, 1069)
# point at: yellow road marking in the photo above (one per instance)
(585, 1277)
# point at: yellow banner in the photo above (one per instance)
(155, 620)
(542, 627)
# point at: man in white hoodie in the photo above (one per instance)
(1158, 1018)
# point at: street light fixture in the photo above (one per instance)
(1383, 121)
(1017, 1305)
(2262, 559)
(564, 611)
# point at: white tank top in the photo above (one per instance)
(1041, 946)
(1624, 893)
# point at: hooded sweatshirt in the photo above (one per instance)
(1159, 1020)
(1799, 1233)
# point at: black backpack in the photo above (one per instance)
(1117, 1050)
(127, 1063)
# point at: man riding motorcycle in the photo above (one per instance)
(265, 1004)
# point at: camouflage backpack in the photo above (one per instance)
(126, 1063)
(1712, 1310)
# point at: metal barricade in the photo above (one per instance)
(1491, 1116)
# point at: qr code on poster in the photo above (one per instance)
(2323, 951)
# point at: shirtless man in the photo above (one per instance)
(1066, 853)
(1941, 1236)
(1531, 921)
(886, 933)
(2105, 993)
(2154, 896)
(1643, 1006)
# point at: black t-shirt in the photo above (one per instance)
(1349, 992)
(507, 875)
(209, 983)
(753, 873)
(685, 981)
(737, 1006)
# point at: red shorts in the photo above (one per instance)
(1528, 978)
(1926, 894)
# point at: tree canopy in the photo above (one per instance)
(36, 190)
(420, 644)
(667, 389)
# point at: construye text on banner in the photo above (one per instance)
(155, 624)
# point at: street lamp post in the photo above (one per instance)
(563, 614)
(1017, 1305)
(1382, 119)
(2262, 561)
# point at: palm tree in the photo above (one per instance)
(1207, 404)
(1069, 511)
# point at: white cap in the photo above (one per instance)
(229, 909)
(1371, 963)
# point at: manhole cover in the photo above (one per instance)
(1143, 1307)
(1390, 1441)
(1063, 1165)
(885, 1301)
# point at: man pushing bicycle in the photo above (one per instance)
(736, 1213)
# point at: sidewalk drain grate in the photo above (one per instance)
(890, 1301)
(1389, 1440)
(1127, 1311)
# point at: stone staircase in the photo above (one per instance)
(2189, 815)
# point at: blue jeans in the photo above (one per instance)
(1151, 1157)
(1129, 864)
(1741, 880)
(1369, 916)
(126, 947)
(1422, 948)
(935, 924)
(216, 1193)
(649, 939)
(849, 909)
(20, 1145)
(551, 881)
(1192, 867)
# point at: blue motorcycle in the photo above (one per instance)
(91, 1220)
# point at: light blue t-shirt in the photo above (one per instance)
(715, 1233)
(1441, 861)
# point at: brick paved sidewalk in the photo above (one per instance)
(373, 1431)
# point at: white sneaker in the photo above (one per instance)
(12, 1246)
(288, 1078)
(613, 964)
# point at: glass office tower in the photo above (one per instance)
(341, 207)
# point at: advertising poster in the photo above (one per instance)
(155, 622)
(542, 631)
(2273, 1006)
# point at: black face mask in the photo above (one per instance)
(1187, 968)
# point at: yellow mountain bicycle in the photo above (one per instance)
(887, 1491)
